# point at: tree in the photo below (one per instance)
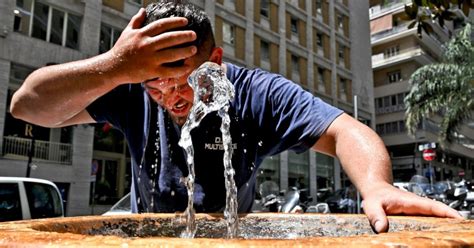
(424, 12)
(446, 87)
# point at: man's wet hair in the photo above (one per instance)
(198, 21)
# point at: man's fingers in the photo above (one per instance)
(431, 207)
(376, 215)
(175, 54)
(171, 39)
(162, 25)
(137, 20)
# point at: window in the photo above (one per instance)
(389, 104)
(342, 89)
(319, 40)
(324, 171)
(401, 126)
(228, 33)
(341, 53)
(106, 180)
(340, 21)
(264, 50)
(295, 67)
(44, 200)
(44, 22)
(230, 4)
(395, 127)
(380, 129)
(319, 6)
(264, 8)
(108, 37)
(392, 51)
(298, 169)
(393, 100)
(268, 177)
(22, 17)
(401, 99)
(294, 25)
(321, 82)
(394, 76)
(10, 206)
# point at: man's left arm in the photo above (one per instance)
(365, 160)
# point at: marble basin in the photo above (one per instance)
(255, 230)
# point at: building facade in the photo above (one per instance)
(323, 45)
(397, 52)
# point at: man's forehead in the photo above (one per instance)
(164, 83)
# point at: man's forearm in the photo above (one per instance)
(363, 156)
(54, 94)
(359, 149)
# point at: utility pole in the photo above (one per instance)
(356, 116)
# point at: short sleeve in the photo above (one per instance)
(115, 107)
(287, 116)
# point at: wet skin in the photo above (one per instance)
(175, 94)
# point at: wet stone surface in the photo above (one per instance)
(249, 228)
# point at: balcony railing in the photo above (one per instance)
(386, 33)
(383, 59)
(379, 9)
(43, 150)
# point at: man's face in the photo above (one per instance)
(174, 94)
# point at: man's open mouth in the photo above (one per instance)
(180, 108)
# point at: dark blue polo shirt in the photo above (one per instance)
(269, 114)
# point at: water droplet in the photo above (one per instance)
(245, 150)
(260, 143)
(243, 134)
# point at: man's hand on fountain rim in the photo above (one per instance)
(389, 200)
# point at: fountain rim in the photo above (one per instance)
(20, 233)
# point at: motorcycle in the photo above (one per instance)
(452, 194)
(294, 201)
(342, 201)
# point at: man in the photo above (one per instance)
(270, 114)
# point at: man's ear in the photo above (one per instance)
(216, 55)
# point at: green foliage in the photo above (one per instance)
(423, 12)
(446, 88)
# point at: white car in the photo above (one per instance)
(29, 198)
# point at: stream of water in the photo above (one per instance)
(212, 92)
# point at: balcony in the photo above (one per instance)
(379, 10)
(432, 41)
(377, 37)
(416, 53)
(19, 148)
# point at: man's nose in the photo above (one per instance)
(170, 98)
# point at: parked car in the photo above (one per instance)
(29, 198)
(121, 207)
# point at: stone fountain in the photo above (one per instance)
(262, 229)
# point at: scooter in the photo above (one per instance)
(295, 201)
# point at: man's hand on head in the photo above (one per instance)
(386, 199)
(145, 52)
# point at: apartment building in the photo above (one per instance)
(397, 52)
(323, 45)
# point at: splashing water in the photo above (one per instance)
(212, 92)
